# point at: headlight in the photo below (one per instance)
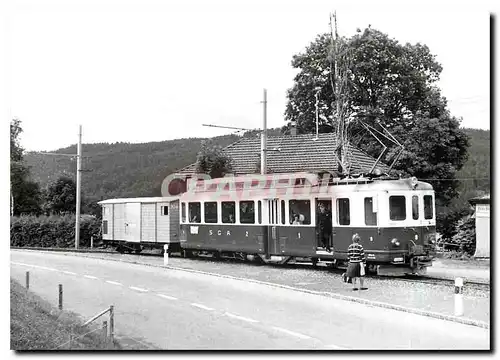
(395, 242)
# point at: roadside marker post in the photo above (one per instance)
(27, 280)
(165, 255)
(112, 324)
(105, 330)
(459, 300)
(91, 242)
(60, 297)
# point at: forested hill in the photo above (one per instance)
(133, 170)
(123, 169)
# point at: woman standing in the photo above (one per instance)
(356, 255)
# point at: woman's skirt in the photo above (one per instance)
(353, 270)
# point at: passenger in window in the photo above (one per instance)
(324, 226)
(295, 219)
(231, 218)
(357, 262)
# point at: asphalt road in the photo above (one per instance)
(169, 309)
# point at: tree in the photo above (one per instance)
(213, 161)
(60, 197)
(387, 84)
(25, 194)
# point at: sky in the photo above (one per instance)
(141, 71)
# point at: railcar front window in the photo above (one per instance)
(370, 216)
(211, 212)
(397, 208)
(343, 212)
(228, 212)
(194, 212)
(247, 212)
(300, 210)
(414, 206)
(428, 207)
(183, 212)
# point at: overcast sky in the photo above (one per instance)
(140, 71)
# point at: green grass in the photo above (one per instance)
(36, 325)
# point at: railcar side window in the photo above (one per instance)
(301, 208)
(194, 212)
(164, 210)
(183, 212)
(283, 214)
(397, 207)
(428, 207)
(228, 212)
(105, 227)
(343, 212)
(211, 212)
(370, 216)
(259, 204)
(247, 212)
(414, 207)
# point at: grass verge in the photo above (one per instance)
(37, 325)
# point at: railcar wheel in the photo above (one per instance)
(315, 262)
(371, 269)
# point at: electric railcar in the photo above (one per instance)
(274, 218)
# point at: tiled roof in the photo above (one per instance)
(480, 200)
(293, 153)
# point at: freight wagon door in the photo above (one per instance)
(133, 222)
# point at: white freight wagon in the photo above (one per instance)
(132, 224)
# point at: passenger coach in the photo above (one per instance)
(274, 218)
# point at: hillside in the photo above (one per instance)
(123, 169)
(133, 170)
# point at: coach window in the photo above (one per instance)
(283, 212)
(259, 204)
(343, 211)
(105, 227)
(210, 212)
(370, 215)
(194, 212)
(428, 208)
(414, 207)
(164, 210)
(228, 212)
(301, 208)
(397, 208)
(247, 212)
(183, 212)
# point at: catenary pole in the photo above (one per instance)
(78, 187)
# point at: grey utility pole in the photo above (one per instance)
(263, 138)
(78, 186)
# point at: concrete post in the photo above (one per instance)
(165, 255)
(27, 280)
(459, 301)
(105, 330)
(91, 242)
(112, 323)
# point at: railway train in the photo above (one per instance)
(273, 219)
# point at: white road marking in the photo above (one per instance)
(241, 318)
(69, 272)
(335, 347)
(167, 297)
(114, 283)
(201, 306)
(89, 277)
(293, 333)
(35, 266)
(138, 289)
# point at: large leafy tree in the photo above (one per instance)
(213, 161)
(60, 197)
(388, 84)
(26, 196)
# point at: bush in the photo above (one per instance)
(465, 236)
(52, 231)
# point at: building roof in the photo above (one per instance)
(293, 153)
(480, 200)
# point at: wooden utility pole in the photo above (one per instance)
(78, 187)
(263, 138)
